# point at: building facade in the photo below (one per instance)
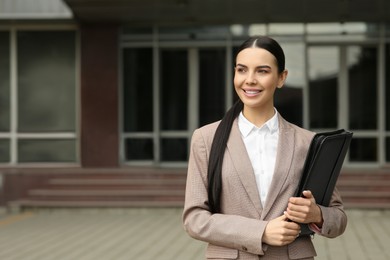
(118, 86)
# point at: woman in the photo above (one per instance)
(244, 170)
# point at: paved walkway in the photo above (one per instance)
(142, 234)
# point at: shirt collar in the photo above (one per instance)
(246, 126)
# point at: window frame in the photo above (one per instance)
(13, 135)
(308, 39)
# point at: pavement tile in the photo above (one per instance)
(143, 234)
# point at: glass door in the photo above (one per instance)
(168, 93)
(343, 93)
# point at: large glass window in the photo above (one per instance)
(46, 150)
(142, 143)
(174, 89)
(323, 68)
(362, 72)
(387, 102)
(4, 151)
(46, 81)
(4, 97)
(289, 99)
(363, 150)
(138, 102)
(388, 149)
(178, 79)
(4, 82)
(212, 75)
(387, 89)
(38, 111)
(138, 87)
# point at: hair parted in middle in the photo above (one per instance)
(218, 147)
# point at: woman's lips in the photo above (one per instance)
(251, 92)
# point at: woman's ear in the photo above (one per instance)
(282, 78)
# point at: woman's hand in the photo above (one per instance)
(304, 210)
(280, 231)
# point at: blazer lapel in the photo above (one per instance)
(282, 164)
(243, 165)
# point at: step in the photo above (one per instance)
(366, 205)
(111, 193)
(362, 182)
(115, 182)
(367, 194)
(18, 205)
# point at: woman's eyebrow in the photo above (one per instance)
(241, 65)
(258, 67)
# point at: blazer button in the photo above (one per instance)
(244, 248)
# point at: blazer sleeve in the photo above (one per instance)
(224, 230)
(335, 219)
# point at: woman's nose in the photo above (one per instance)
(251, 80)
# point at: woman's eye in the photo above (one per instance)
(262, 71)
(241, 70)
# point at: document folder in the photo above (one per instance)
(322, 167)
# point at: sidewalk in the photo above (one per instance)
(143, 234)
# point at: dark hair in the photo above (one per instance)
(218, 147)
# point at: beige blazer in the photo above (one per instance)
(237, 232)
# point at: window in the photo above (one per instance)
(362, 88)
(178, 79)
(212, 75)
(289, 99)
(4, 98)
(323, 68)
(174, 89)
(38, 105)
(4, 82)
(138, 103)
(362, 78)
(387, 103)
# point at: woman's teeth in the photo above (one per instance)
(252, 91)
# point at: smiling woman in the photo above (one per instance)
(255, 82)
(243, 171)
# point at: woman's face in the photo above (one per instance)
(256, 77)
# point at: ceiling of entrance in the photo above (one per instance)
(229, 11)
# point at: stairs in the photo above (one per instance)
(367, 190)
(142, 187)
(154, 188)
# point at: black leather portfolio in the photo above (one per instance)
(322, 166)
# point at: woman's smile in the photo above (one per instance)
(252, 92)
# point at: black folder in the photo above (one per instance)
(322, 167)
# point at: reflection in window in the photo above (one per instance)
(31, 150)
(138, 90)
(46, 81)
(139, 149)
(363, 150)
(362, 70)
(323, 70)
(212, 68)
(174, 89)
(4, 82)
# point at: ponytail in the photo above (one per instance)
(217, 152)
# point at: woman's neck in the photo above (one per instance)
(258, 117)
